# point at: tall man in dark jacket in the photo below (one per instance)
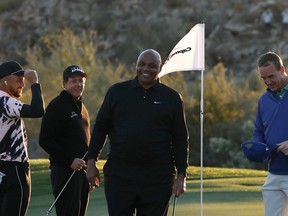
(15, 184)
(144, 120)
(64, 135)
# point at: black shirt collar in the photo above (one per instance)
(135, 84)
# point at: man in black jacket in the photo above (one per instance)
(145, 122)
(15, 184)
(64, 135)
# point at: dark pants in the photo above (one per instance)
(15, 189)
(143, 197)
(74, 199)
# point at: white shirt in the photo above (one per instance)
(13, 136)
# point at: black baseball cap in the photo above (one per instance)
(73, 70)
(11, 68)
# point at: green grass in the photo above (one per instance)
(225, 192)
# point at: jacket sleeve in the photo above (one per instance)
(101, 128)
(50, 127)
(180, 139)
(258, 134)
(37, 107)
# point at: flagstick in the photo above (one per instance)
(194, 59)
(201, 137)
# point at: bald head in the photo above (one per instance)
(151, 52)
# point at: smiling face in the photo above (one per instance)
(148, 66)
(75, 86)
(14, 85)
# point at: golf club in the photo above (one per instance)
(51, 207)
(174, 205)
(167, 207)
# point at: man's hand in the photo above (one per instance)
(31, 76)
(283, 146)
(92, 174)
(179, 186)
(78, 164)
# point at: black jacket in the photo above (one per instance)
(65, 130)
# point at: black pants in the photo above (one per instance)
(74, 199)
(143, 197)
(15, 189)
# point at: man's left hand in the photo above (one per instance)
(179, 186)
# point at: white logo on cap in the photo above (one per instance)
(75, 69)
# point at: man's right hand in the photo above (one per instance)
(92, 174)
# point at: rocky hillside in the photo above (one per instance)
(235, 32)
